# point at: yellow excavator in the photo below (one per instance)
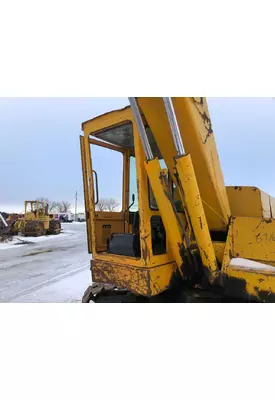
(188, 237)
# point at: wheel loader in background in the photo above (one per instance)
(36, 221)
(189, 238)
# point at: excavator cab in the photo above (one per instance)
(128, 244)
(34, 209)
(173, 219)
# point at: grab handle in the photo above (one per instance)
(96, 186)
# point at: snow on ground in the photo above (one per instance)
(245, 263)
(67, 230)
(67, 288)
(22, 241)
(47, 269)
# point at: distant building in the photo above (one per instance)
(81, 217)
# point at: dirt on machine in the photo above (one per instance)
(36, 221)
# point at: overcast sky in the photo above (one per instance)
(40, 145)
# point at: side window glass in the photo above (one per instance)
(108, 165)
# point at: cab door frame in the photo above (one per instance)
(107, 222)
(106, 217)
(148, 260)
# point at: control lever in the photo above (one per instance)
(133, 201)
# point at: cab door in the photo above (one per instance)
(110, 167)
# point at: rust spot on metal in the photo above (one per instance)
(205, 255)
(257, 226)
(257, 236)
(200, 222)
(137, 280)
(206, 120)
(238, 188)
(137, 186)
(144, 248)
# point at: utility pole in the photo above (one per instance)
(75, 210)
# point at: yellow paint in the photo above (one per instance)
(254, 239)
(143, 281)
(247, 201)
(187, 179)
(254, 281)
(219, 248)
(173, 232)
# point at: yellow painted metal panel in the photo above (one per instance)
(161, 276)
(107, 120)
(142, 281)
(86, 195)
(248, 201)
(173, 232)
(272, 206)
(266, 210)
(254, 239)
(258, 283)
(244, 201)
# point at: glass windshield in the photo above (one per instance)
(108, 165)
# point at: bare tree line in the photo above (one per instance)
(107, 204)
(56, 206)
(104, 204)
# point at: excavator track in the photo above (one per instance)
(105, 293)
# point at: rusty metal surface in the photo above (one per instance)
(142, 281)
(132, 278)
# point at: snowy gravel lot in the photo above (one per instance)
(50, 269)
